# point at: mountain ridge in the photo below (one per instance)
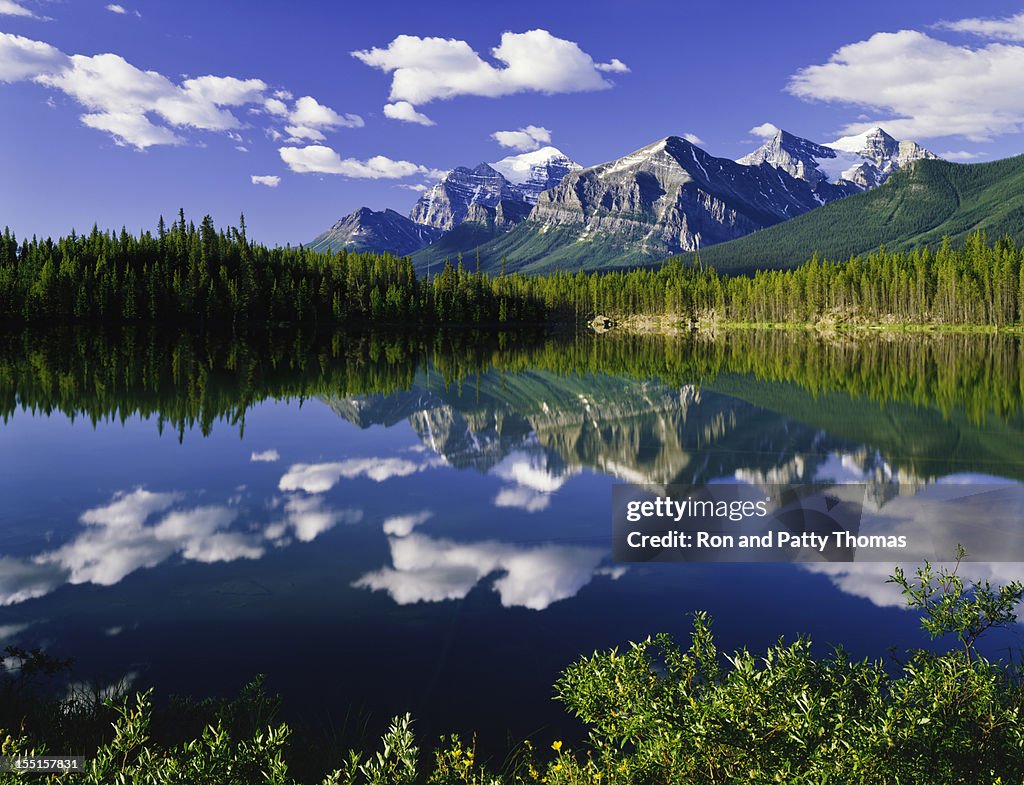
(372, 230)
(541, 211)
(663, 199)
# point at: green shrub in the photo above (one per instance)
(659, 714)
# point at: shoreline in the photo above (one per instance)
(672, 324)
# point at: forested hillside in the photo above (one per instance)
(922, 205)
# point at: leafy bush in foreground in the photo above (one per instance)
(659, 714)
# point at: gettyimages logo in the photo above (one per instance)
(799, 523)
(736, 522)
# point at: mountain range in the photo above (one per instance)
(541, 211)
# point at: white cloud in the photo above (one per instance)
(935, 521)
(324, 160)
(120, 9)
(115, 8)
(321, 477)
(310, 517)
(300, 132)
(406, 112)
(130, 129)
(402, 525)
(266, 456)
(199, 104)
(122, 97)
(25, 580)
(525, 139)
(144, 108)
(1010, 28)
(224, 90)
(868, 579)
(309, 113)
(108, 82)
(433, 570)
(118, 542)
(418, 187)
(959, 155)
(534, 481)
(531, 470)
(22, 58)
(223, 546)
(276, 106)
(765, 130)
(10, 8)
(523, 498)
(427, 69)
(119, 538)
(615, 66)
(693, 139)
(129, 509)
(270, 181)
(928, 87)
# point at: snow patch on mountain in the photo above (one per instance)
(858, 162)
(840, 167)
(519, 168)
(530, 173)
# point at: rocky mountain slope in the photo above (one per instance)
(376, 231)
(497, 196)
(491, 197)
(447, 204)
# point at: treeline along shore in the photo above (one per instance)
(186, 379)
(185, 274)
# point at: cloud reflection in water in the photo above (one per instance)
(426, 569)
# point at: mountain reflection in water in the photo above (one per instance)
(448, 499)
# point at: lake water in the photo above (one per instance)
(422, 523)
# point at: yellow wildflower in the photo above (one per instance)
(556, 746)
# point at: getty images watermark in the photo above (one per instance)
(735, 522)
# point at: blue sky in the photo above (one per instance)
(117, 113)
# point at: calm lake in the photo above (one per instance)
(384, 524)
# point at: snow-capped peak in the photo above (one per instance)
(530, 173)
(519, 168)
(866, 140)
(861, 161)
